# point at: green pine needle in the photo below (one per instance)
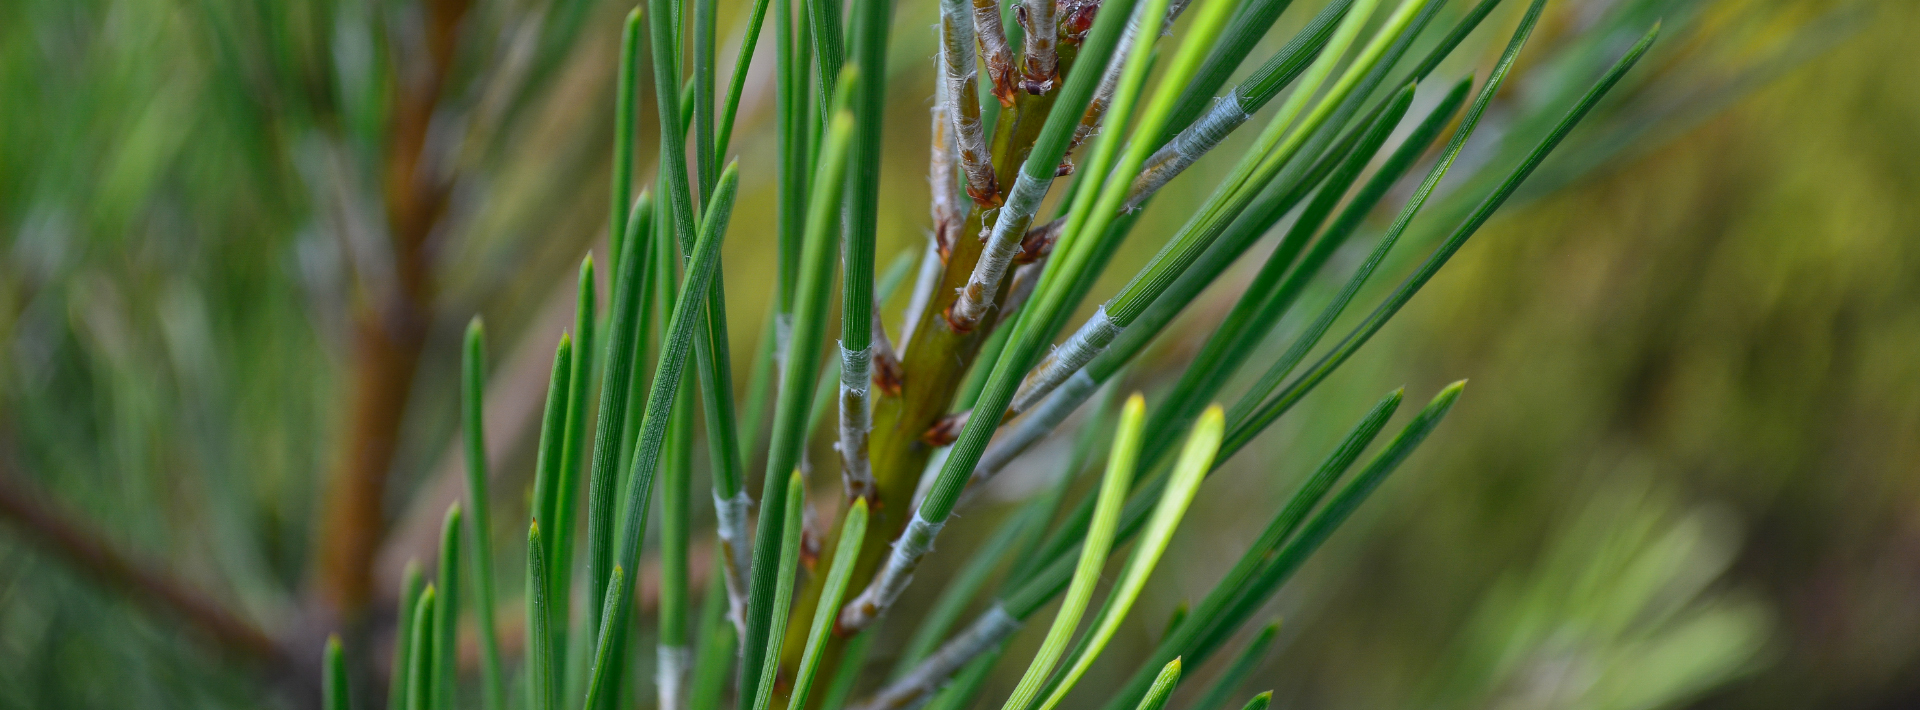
(1245, 428)
(713, 665)
(624, 129)
(548, 476)
(1311, 335)
(1236, 673)
(1259, 702)
(794, 405)
(334, 688)
(1265, 301)
(473, 380)
(1336, 512)
(601, 673)
(705, 159)
(957, 595)
(412, 585)
(1321, 151)
(446, 613)
(542, 693)
(1274, 148)
(420, 662)
(623, 324)
(677, 342)
(853, 659)
(673, 655)
(829, 53)
(731, 108)
(565, 507)
(791, 531)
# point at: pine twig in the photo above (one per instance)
(994, 49)
(1041, 65)
(958, 101)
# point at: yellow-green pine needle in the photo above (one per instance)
(1256, 418)
(1093, 555)
(1312, 333)
(845, 554)
(1307, 86)
(1093, 212)
(1215, 611)
(1163, 685)
(1265, 161)
(1191, 468)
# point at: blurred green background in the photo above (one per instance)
(1683, 475)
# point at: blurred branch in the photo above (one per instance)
(89, 551)
(390, 332)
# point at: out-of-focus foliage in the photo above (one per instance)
(1728, 321)
(1700, 358)
(1612, 615)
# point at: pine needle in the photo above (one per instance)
(542, 693)
(420, 663)
(1093, 554)
(334, 689)
(446, 613)
(791, 532)
(412, 585)
(473, 380)
(1192, 467)
(853, 530)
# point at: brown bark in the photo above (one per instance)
(391, 324)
